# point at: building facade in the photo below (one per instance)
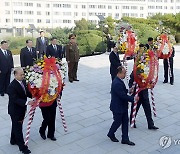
(60, 13)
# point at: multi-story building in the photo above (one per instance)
(61, 13)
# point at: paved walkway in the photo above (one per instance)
(86, 107)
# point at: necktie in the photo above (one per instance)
(55, 48)
(22, 85)
(5, 52)
(43, 40)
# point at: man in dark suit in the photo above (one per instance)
(28, 54)
(166, 67)
(119, 107)
(18, 93)
(144, 100)
(149, 45)
(41, 44)
(49, 116)
(114, 62)
(53, 49)
(72, 58)
(6, 65)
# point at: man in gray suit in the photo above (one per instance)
(41, 44)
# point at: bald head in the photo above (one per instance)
(19, 74)
(121, 72)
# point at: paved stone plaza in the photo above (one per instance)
(86, 108)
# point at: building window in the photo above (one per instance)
(38, 5)
(165, 7)
(7, 4)
(48, 13)
(18, 20)
(7, 12)
(47, 20)
(66, 21)
(141, 8)
(29, 12)
(66, 5)
(83, 13)
(125, 7)
(134, 7)
(177, 7)
(83, 6)
(165, 1)
(17, 12)
(67, 13)
(172, 1)
(151, 7)
(117, 7)
(172, 7)
(7, 20)
(93, 21)
(39, 20)
(38, 13)
(92, 6)
(29, 20)
(75, 6)
(28, 4)
(110, 14)
(109, 7)
(125, 14)
(56, 5)
(134, 15)
(17, 3)
(158, 7)
(142, 15)
(101, 6)
(75, 13)
(117, 15)
(48, 5)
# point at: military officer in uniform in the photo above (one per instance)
(72, 58)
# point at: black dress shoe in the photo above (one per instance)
(52, 138)
(42, 135)
(13, 143)
(165, 81)
(26, 151)
(113, 139)
(135, 126)
(76, 80)
(70, 81)
(171, 83)
(128, 143)
(2, 94)
(153, 128)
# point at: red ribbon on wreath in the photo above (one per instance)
(49, 68)
(165, 40)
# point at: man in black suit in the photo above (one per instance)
(149, 45)
(41, 44)
(119, 107)
(49, 116)
(144, 100)
(18, 93)
(6, 65)
(114, 62)
(166, 67)
(28, 54)
(53, 49)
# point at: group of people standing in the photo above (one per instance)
(17, 90)
(120, 97)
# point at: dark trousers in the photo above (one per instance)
(166, 70)
(120, 118)
(16, 132)
(49, 116)
(72, 70)
(4, 81)
(144, 100)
